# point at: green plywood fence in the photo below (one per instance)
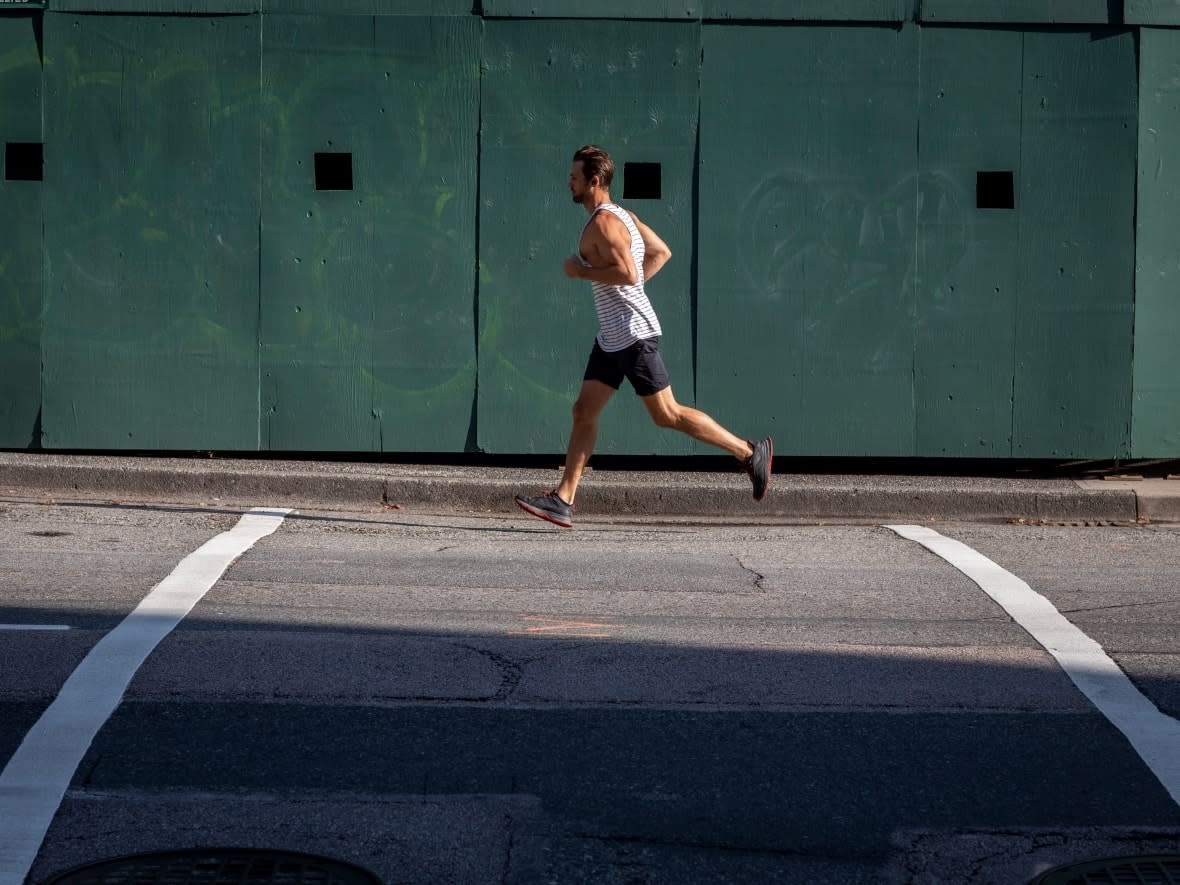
(848, 260)
(939, 11)
(370, 7)
(1103, 12)
(215, 7)
(1043, 287)
(806, 267)
(1155, 429)
(544, 96)
(187, 7)
(651, 9)
(966, 276)
(20, 234)
(835, 280)
(1072, 385)
(151, 232)
(1152, 12)
(367, 336)
(804, 10)
(210, 7)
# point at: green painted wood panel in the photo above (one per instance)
(368, 329)
(151, 239)
(1023, 11)
(370, 7)
(967, 269)
(807, 235)
(183, 7)
(20, 236)
(1152, 12)
(1076, 198)
(649, 9)
(1155, 428)
(766, 10)
(810, 10)
(544, 96)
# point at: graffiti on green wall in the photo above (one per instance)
(367, 293)
(796, 226)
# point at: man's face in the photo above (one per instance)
(579, 186)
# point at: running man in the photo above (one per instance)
(618, 253)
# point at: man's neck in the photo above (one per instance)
(601, 198)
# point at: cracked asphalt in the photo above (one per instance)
(486, 699)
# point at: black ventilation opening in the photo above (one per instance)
(23, 161)
(994, 190)
(333, 172)
(641, 181)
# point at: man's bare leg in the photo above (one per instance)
(666, 412)
(756, 457)
(592, 399)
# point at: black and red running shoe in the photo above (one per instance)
(548, 507)
(758, 466)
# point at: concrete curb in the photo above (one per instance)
(1157, 500)
(619, 494)
(710, 498)
(224, 485)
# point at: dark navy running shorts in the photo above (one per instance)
(641, 364)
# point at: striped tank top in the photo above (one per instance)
(624, 313)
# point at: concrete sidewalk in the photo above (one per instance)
(617, 493)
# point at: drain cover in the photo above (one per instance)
(1148, 869)
(218, 866)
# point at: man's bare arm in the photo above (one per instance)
(608, 248)
(655, 251)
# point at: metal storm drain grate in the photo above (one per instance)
(1148, 869)
(218, 866)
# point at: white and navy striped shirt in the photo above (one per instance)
(624, 313)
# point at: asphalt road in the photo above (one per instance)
(487, 699)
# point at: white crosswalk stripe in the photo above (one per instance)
(1154, 735)
(37, 776)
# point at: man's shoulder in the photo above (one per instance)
(606, 219)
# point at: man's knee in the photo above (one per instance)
(584, 410)
(666, 417)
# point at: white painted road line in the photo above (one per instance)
(35, 779)
(33, 627)
(1155, 736)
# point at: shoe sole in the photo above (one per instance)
(541, 514)
(769, 466)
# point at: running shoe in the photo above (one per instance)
(758, 466)
(548, 507)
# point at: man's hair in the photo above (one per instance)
(596, 161)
